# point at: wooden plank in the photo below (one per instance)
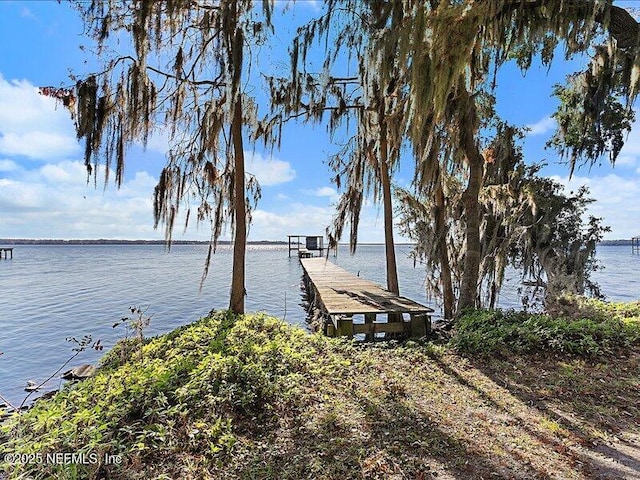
(420, 324)
(368, 328)
(345, 326)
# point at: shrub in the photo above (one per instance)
(190, 391)
(607, 328)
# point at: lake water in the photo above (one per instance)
(52, 292)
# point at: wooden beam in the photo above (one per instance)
(379, 327)
(345, 326)
(420, 325)
(369, 319)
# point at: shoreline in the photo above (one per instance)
(106, 241)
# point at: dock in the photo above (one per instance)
(6, 253)
(338, 296)
(635, 244)
(312, 243)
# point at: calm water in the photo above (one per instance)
(53, 292)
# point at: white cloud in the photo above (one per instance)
(301, 218)
(64, 173)
(306, 219)
(328, 192)
(55, 201)
(27, 13)
(8, 166)
(631, 151)
(38, 145)
(325, 192)
(158, 141)
(33, 125)
(269, 171)
(626, 161)
(542, 126)
(617, 201)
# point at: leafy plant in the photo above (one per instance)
(193, 390)
(607, 328)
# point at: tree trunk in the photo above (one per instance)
(236, 302)
(467, 127)
(448, 297)
(469, 286)
(392, 270)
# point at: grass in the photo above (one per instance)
(253, 398)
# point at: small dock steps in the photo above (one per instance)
(340, 295)
(7, 252)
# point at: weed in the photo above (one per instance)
(136, 324)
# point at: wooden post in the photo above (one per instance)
(420, 324)
(345, 326)
(369, 318)
(329, 329)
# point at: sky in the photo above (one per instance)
(43, 184)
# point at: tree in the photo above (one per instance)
(556, 249)
(447, 53)
(366, 163)
(178, 68)
(528, 223)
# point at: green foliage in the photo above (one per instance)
(554, 245)
(595, 328)
(250, 397)
(529, 223)
(590, 122)
(191, 391)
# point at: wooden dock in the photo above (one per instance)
(7, 252)
(339, 295)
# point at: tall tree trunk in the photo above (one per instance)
(392, 270)
(448, 297)
(467, 127)
(236, 302)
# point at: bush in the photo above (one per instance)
(188, 392)
(602, 328)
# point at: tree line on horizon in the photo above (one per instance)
(411, 81)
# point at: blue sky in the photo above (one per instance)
(43, 189)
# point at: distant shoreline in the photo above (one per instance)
(28, 241)
(25, 241)
(610, 243)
